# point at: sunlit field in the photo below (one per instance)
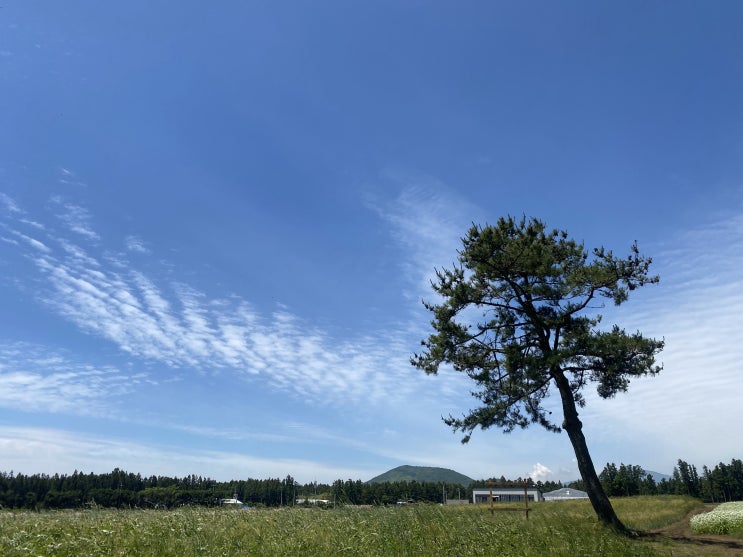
(559, 528)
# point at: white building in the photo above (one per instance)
(565, 494)
(234, 502)
(505, 494)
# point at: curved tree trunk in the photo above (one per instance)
(574, 428)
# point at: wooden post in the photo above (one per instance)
(526, 509)
(490, 485)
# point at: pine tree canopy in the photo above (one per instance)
(519, 315)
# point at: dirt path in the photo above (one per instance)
(684, 542)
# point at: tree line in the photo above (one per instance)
(722, 483)
(389, 493)
(120, 489)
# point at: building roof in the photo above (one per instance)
(506, 488)
(566, 493)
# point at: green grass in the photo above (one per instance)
(647, 513)
(568, 529)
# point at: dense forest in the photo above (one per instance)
(723, 483)
(127, 490)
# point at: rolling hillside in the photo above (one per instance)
(422, 474)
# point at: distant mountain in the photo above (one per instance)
(657, 476)
(422, 474)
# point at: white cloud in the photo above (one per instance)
(40, 450)
(697, 308)
(179, 326)
(135, 244)
(33, 379)
(32, 223)
(33, 242)
(68, 177)
(540, 472)
(427, 224)
(10, 204)
(76, 218)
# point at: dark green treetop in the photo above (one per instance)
(535, 290)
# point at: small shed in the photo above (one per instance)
(565, 494)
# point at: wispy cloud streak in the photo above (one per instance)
(427, 223)
(179, 326)
(34, 379)
(698, 309)
(136, 244)
(76, 218)
(9, 204)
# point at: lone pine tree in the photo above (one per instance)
(536, 293)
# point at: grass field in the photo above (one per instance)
(566, 528)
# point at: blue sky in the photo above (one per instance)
(217, 224)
